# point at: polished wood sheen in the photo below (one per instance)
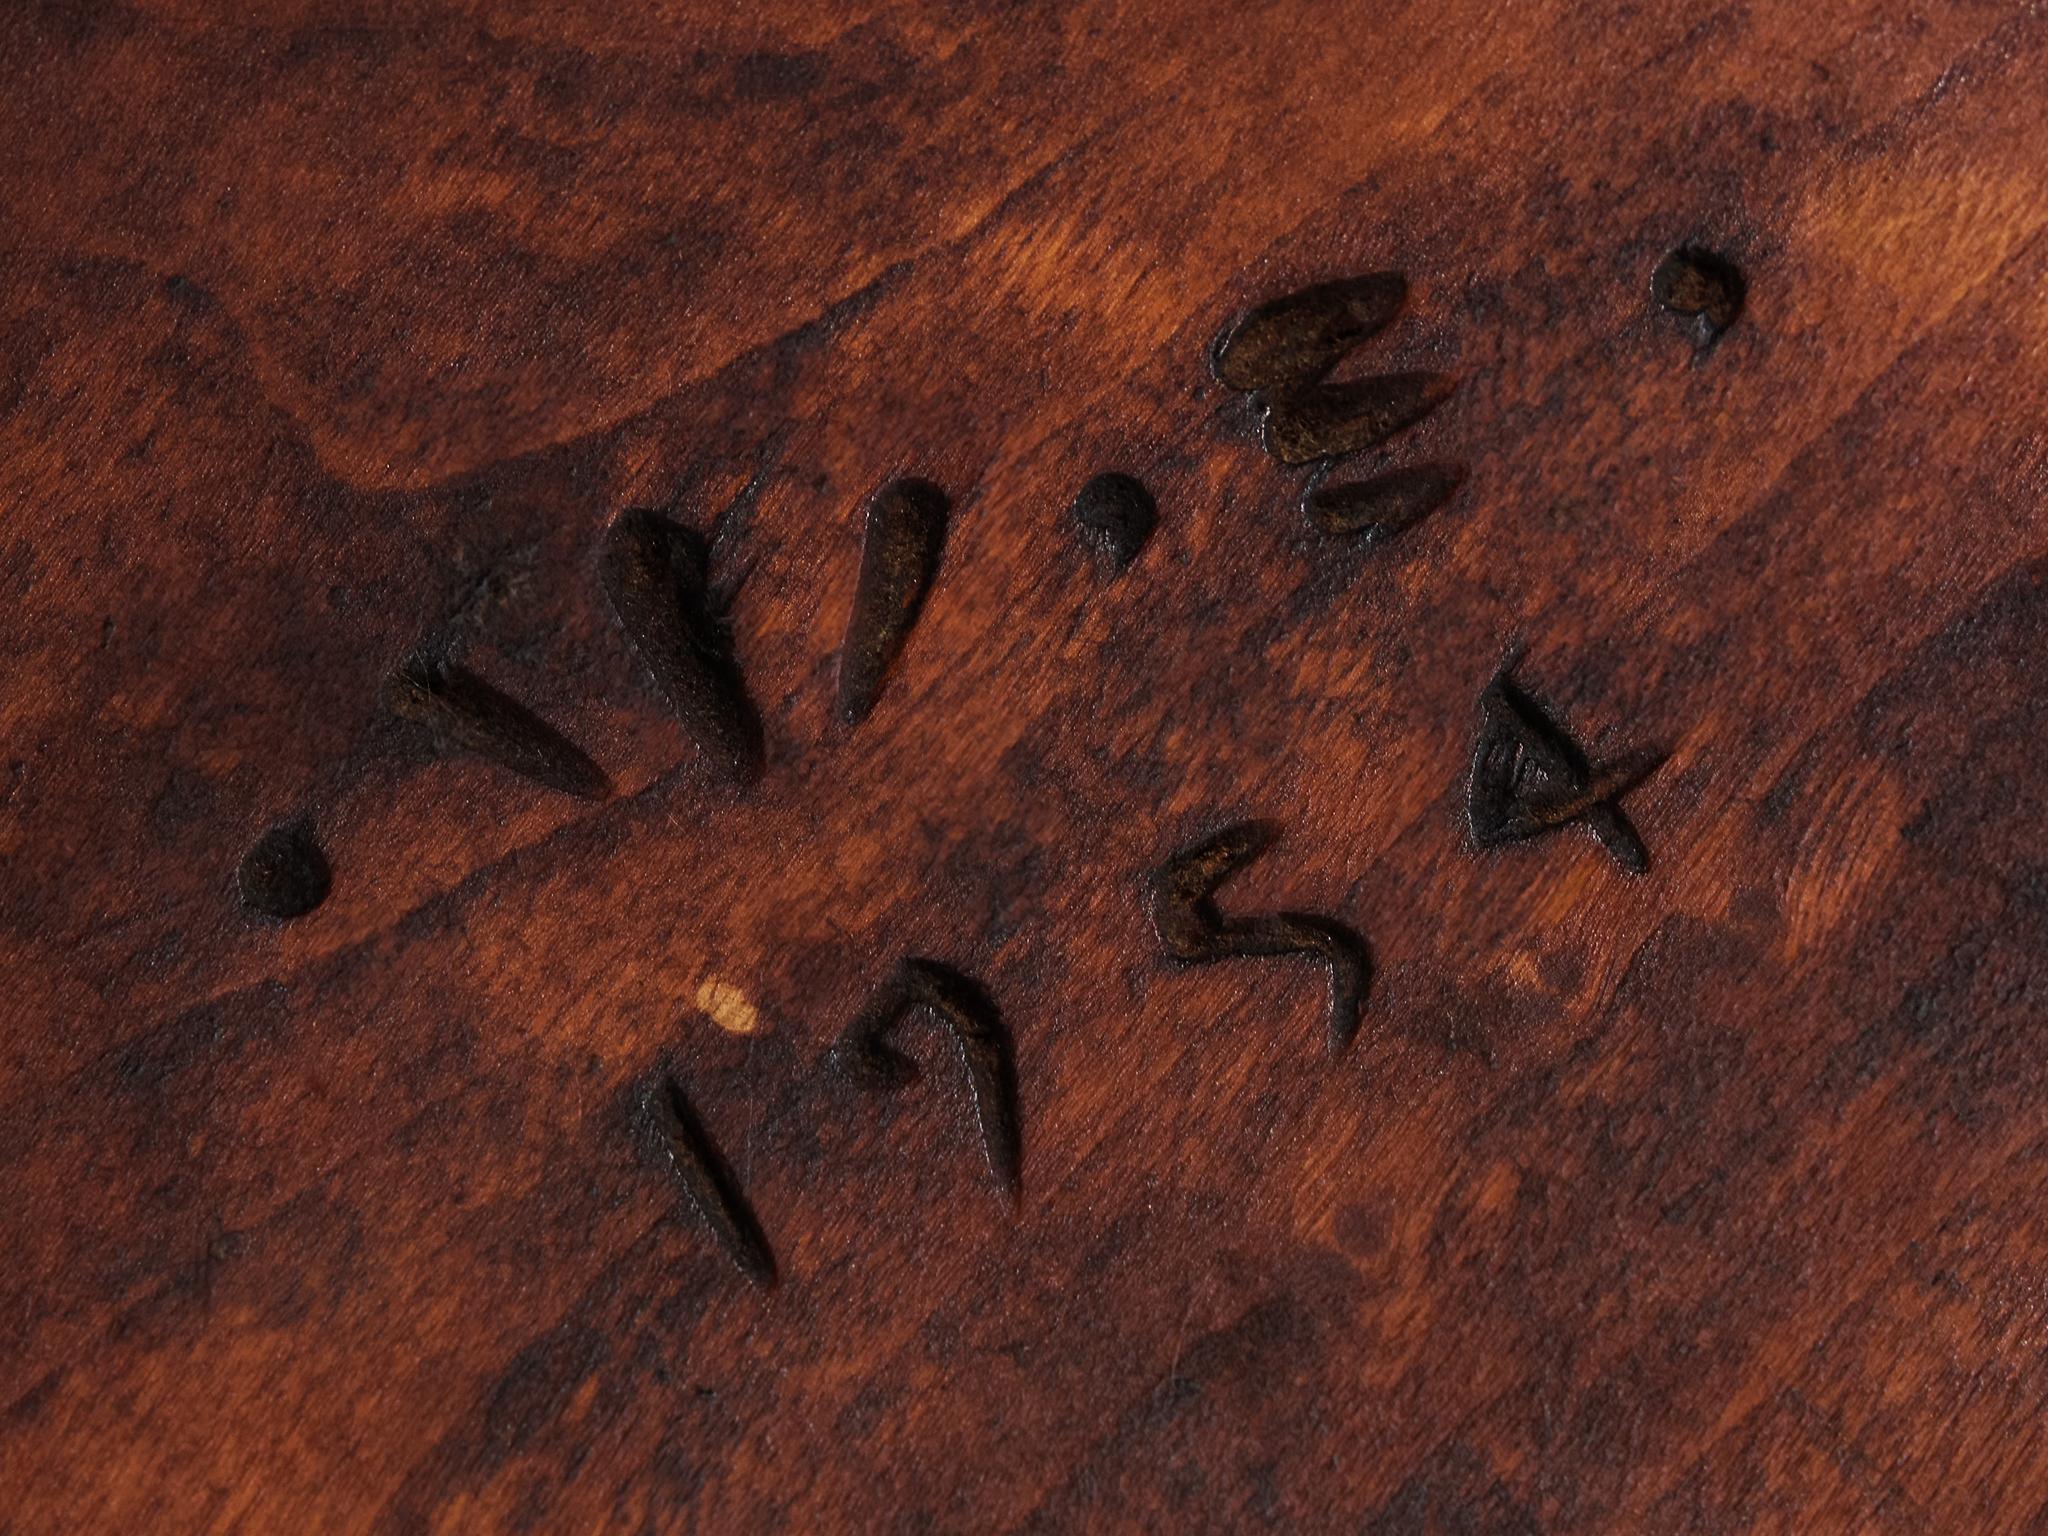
(392, 1141)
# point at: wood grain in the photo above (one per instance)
(1706, 1200)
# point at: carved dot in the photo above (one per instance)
(284, 875)
(1696, 282)
(1117, 513)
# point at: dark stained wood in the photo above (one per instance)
(1702, 1200)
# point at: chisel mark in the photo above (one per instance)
(1116, 513)
(1304, 334)
(708, 1183)
(1320, 420)
(906, 530)
(1191, 928)
(1529, 777)
(284, 874)
(655, 575)
(463, 713)
(1698, 284)
(1384, 505)
(970, 1016)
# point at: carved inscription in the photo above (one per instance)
(707, 1182)
(906, 531)
(1529, 777)
(1191, 928)
(966, 1013)
(463, 713)
(656, 577)
(1283, 352)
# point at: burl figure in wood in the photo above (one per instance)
(906, 766)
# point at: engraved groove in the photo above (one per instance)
(1305, 422)
(1529, 777)
(656, 577)
(708, 1184)
(1192, 929)
(906, 531)
(463, 713)
(967, 1013)
(1116, 513)
(1304, 334)
(1378, 508)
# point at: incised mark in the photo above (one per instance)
(1190, 928)
(655, 575)
(906, 530)
(463, 713)
(1529, 777)
(1382, 506)
(1283, 350)
(1304, 334)
(1318, 420)
(1117, 513)
(1695, 282)
(969, 1015)
(708, 1183)
(284, 874)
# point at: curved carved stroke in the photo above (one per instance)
(1191, 928)
(969, 1015)
(1304, 334)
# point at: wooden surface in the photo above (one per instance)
(1706, 1200)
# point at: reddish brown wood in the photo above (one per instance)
(1703, 1200)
